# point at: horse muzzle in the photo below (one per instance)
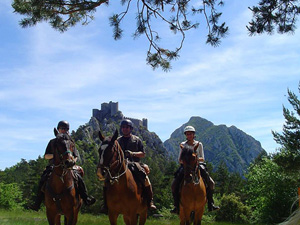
(69, 163)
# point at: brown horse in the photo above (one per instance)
(193, 191)
(123, 195)
(60, 195)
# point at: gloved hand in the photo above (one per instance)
(128, 154)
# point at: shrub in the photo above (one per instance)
(10, 196)
(233, 210)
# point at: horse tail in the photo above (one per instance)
(192, 216)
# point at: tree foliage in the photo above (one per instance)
(268, 15)
(228, 183)
(177, 14)
(289, 156)
(271, 192)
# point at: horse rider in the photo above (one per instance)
(133, 149)
(62, 127)
(189, 132)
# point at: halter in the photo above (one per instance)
(120, 159)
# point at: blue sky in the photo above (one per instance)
(47, 76)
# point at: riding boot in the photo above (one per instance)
(175, 194)
(175, 210)
(209, 189)
(210, 200)
(40, 195)
(39, 198)
(88, 200)
(149, 196)
(175, 189)
(104, 208)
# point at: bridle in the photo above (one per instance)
(112, 164)
(63, 162)
(191, 171)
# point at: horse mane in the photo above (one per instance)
(63, 136)
(186, 151)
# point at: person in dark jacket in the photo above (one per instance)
(62, 127)
(133, 149)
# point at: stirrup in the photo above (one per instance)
(89, 200)
(213, 208)
(104, 210)
(152, 207)
(174, 210)
(34, 207)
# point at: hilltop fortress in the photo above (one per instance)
(112, 109)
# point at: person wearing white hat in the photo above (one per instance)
(189, 132)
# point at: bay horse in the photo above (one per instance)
(123, 195)
(193, 191)
(61, 197)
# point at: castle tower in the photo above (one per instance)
(145, 123)
(114, 108)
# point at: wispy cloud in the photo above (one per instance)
(52, 76)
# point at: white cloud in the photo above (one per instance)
(53, 76)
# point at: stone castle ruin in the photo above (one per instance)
(112, 109)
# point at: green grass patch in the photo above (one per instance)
(25, 217)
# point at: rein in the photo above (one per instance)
(62, 163)
(120, 159)
(192, 173)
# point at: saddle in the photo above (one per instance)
(138, 172)
(76, 170)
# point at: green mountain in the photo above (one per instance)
(221, 144)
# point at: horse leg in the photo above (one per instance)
(198, 217)
(134, 219)
(143, 218)
(113, 218)
(50, 217)
(57, 219)
(69, 219)
(182, 217)
(126, 220)
(75, 217)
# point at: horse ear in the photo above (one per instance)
(115, 136)
(181, 146)
(101, 136)
(55, 132)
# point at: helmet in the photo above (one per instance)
(126, 122)
(189, 128)
(63, 124)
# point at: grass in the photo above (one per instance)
(25, 217)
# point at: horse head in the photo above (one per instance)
(63, 149)
(190, 162)
(107, 154)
